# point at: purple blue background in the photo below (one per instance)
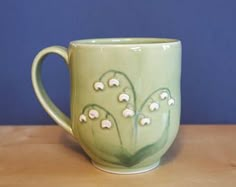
(207, 29)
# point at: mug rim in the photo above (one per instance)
(124, 41)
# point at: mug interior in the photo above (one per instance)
(124, 41)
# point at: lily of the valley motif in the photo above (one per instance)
(130, 111)
(157, 103)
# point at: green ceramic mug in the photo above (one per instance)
(125, 99)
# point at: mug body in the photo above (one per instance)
(125, 100)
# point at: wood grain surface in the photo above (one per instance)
(202, 155)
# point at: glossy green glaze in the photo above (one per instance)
(125, 99)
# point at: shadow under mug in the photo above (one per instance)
(125, 99)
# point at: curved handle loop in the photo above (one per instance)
(56, 114)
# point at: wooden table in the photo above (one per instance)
(202, 155)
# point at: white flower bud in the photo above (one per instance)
(128, 113)
(171, 102)
(93, 114)
(113, 82)
(154, 106)
(123, 97)
(145, 121)
(82, 118)
(98, 86)
(106, 124)
(164, 95)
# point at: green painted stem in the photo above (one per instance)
(130, 160)
(127, 78)
(107, 112)
(132, 89)
(141, 108)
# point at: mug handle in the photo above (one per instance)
(54, 112)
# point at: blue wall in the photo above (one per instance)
(207, 29)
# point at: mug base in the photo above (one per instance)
(126, 171)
